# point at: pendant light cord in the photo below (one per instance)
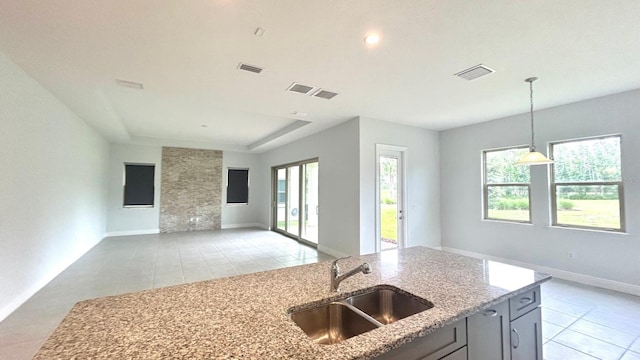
(533, 157)
(533, 147)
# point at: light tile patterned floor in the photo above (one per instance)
(585, 322)
(579, 322)
(132, 263)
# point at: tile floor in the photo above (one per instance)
(579, 322)
(132, 263)
(585, 322)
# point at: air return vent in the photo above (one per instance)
(130, 84)
(324, 94)
(475, 72)
(299, 88)
(250, 68)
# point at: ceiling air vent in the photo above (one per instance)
(324, 94)
(130, 84)
(475, 72)
(250, 68)
(299, 88)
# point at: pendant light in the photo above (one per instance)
(533, 157)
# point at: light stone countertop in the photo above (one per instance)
(245, 317)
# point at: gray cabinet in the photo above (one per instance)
(510, 330)
(460, 354)
(526, 336)
(523, 303)
(435, 346)
(488, 333)
(526, 322)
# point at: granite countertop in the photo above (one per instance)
(245, 317)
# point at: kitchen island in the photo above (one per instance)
(247, 316)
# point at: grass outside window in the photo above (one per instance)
(586, 188)
(506, 187)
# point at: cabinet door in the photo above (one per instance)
(526, 336)
(525, 302)
(460, 354)
(433, 346)
(488, 333)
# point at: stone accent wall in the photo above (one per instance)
(191, 189)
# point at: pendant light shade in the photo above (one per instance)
(533, 157)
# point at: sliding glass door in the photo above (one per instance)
(295, 200)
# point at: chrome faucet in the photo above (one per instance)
(336, 278)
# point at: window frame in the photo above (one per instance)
(485, 187)
(124, 186)
(230, 169)
(553, 185)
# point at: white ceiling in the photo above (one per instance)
(186, 54)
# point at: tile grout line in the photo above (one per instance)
(626, 349)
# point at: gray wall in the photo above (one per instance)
(126, 221)
(597, 254)
(234, 216)
(347, 182)
(53, 181)
(422, 210)
(337, 151)
(121, 220)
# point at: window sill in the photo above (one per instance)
(508, 221)
(610, 232)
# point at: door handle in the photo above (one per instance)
(526, 300)
(490, 313)
(515, 339)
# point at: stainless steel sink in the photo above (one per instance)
(355, 314)
(388, 304)
(332, 323)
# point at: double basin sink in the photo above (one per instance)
(337, 320)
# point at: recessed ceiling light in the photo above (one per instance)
(259, 31)
(203, 125)
(372, 39)
(299, 114)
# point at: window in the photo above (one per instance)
(506, 186)
(586, 184)
(282, 190)
(138, 185)
(237, 186)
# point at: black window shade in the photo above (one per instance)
(138, 185)
(238, 186)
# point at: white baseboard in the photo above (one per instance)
(560, 274)
(331, 251)
(237, 226)
(22, 298)
(132, 232)
(26, 295)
